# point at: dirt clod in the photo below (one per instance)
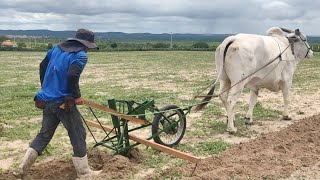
(272, 156)
(112, 166)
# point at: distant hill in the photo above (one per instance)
(314, 39)
(131, 37)
(48, 33)
(120, 36)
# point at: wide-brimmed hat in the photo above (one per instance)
(86, 37)
(83, 38)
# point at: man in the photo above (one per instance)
(59, 76)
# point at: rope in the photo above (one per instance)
(194, 97)
(192, 105)
(256, 72)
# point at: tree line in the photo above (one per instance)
(43, 44)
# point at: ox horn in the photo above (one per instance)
(297, 32)
(286, 30)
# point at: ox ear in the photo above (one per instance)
(297, 32)
(294, 39)
(286, 30)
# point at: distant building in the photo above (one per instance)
(7, 43)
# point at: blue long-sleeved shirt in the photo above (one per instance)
(55, 85)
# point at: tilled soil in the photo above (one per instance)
(111, 166)
(272, 156)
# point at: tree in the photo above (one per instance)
(113, 45)
(161, 45)
(21, 44)
(102, 45)
(49, 46)
(3, 38)
(200, 45)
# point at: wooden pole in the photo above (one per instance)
(152, 144)
(114, 112)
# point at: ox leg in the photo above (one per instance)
(252, 103)
(233, 97)
(286, 94)
(224, 87)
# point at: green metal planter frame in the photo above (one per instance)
(118, 140)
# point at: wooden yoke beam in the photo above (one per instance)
(114, 112)
(152, 144)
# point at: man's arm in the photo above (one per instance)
(43, 68)
(73, 80)
(74, 73)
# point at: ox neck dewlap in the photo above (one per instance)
(291, 42)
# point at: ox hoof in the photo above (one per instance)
(286, 118)
(247, 121)
(232, 130)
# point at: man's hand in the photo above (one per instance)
(79, 101)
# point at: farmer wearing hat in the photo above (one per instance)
(59, 72)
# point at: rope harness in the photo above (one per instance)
(291, 44)
(217, 95)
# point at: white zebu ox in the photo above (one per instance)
(240, 56)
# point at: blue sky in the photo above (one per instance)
(165, 16)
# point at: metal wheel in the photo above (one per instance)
(169, 127)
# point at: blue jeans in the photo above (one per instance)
(52, 115)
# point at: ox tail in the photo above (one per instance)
(205, 100)
(221, 50)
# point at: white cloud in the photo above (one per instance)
(182, 16)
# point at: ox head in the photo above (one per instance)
(300, 46)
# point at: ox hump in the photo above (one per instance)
(234, 46)
(275, 31)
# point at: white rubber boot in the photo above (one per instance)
(27, 161)
(82, 167)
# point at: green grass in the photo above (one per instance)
(207, 128)
(170, 77)
(17, 102)
(213, 109)
(49, 150)
(155, 159)
(212, 147)
(307, 76)
(21, 131)
(18, 84)
(205, 148)
(260, 112)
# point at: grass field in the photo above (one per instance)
(167, 77)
